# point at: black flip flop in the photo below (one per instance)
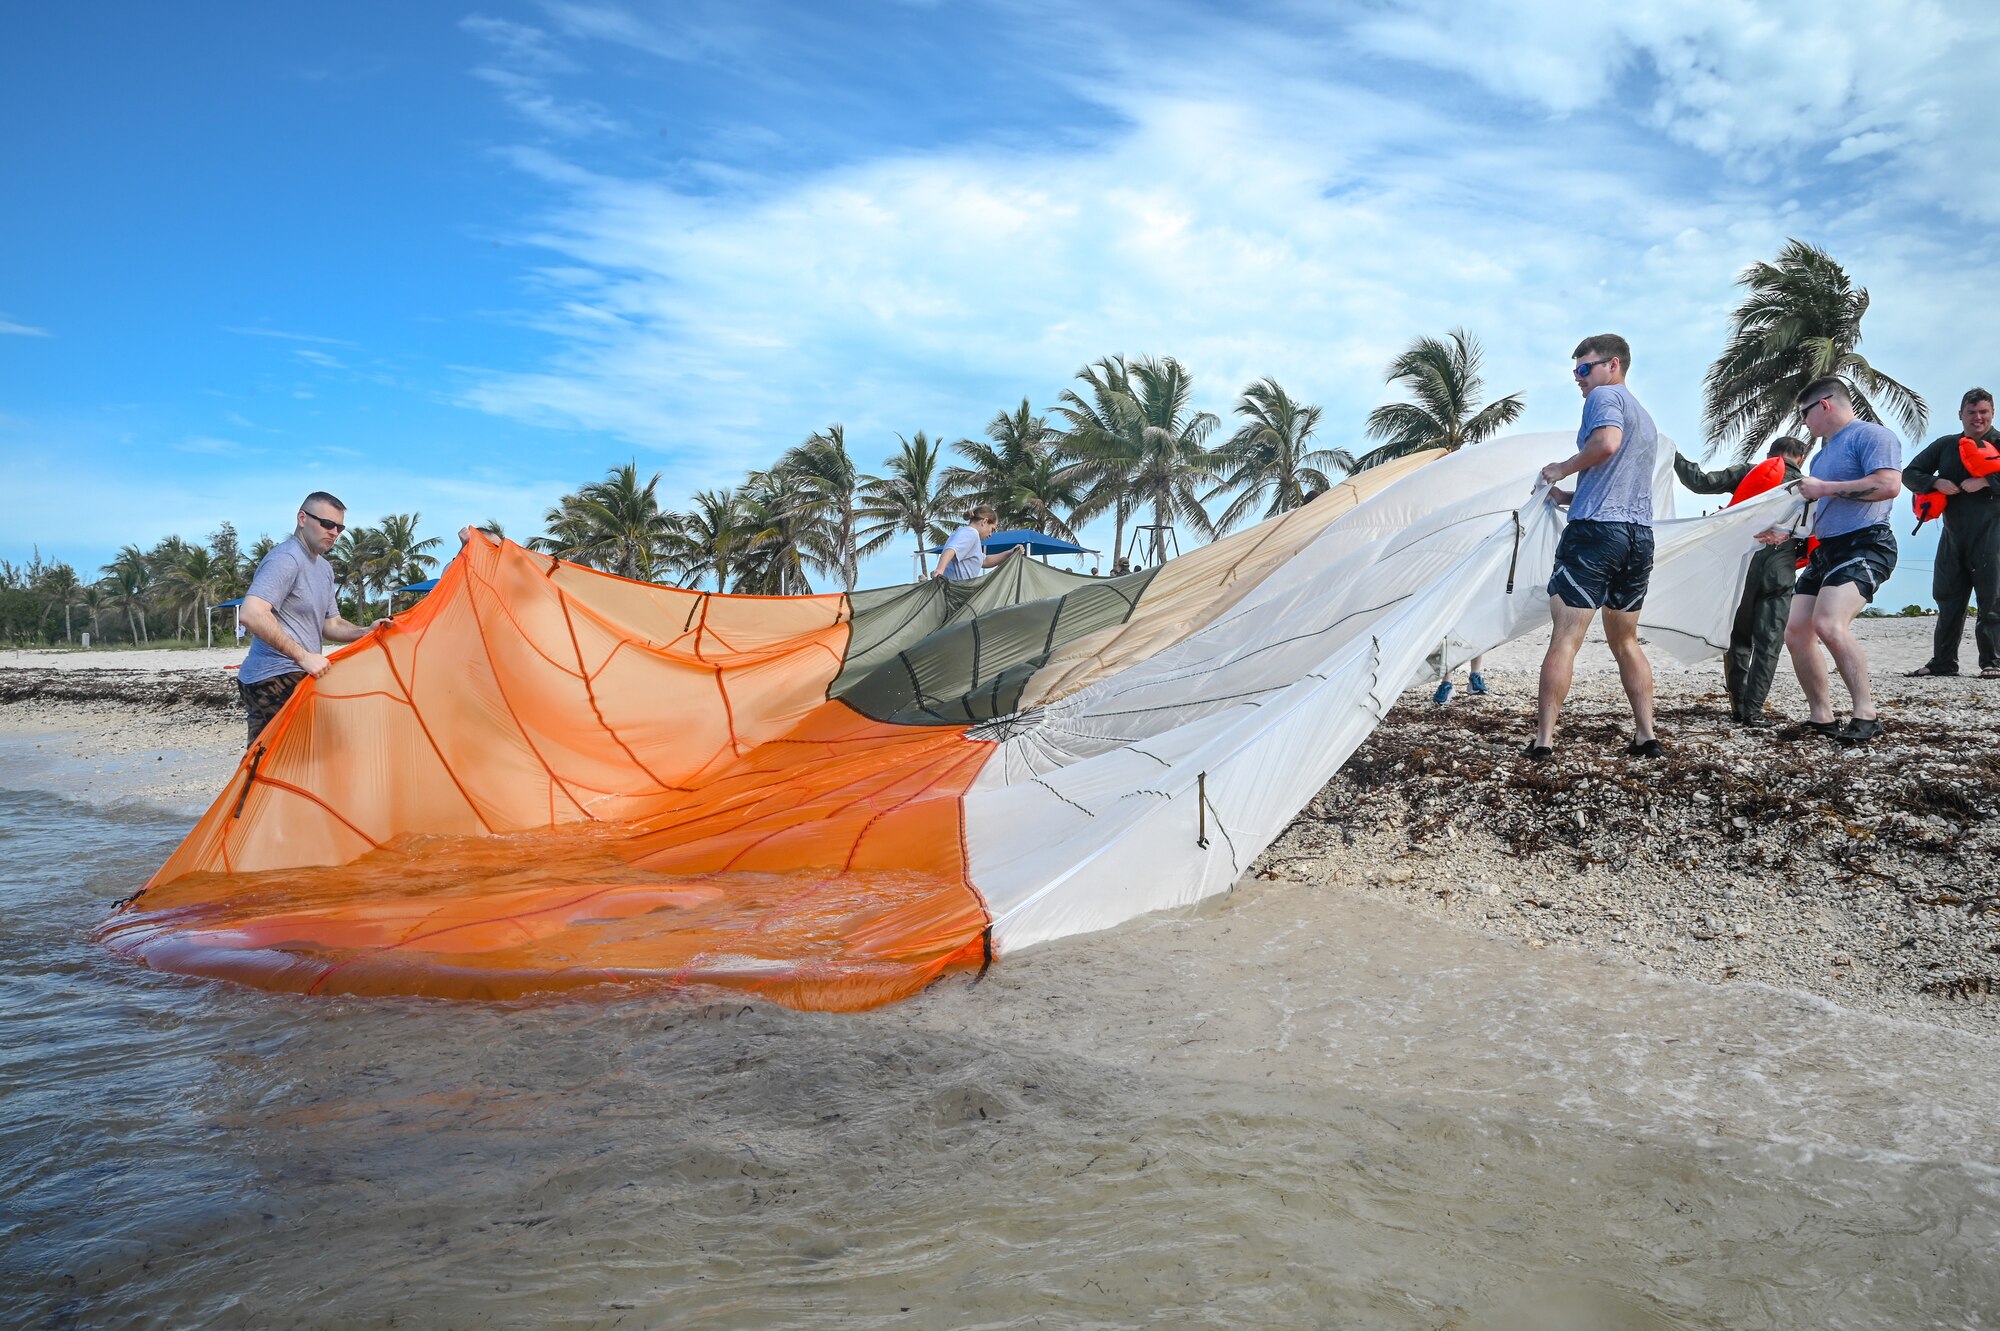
(1651, 748)
(1539, 752)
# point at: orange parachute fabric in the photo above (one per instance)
(544, 778)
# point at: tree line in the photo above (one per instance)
(1123, 440)
(167, 594)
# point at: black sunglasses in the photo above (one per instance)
(335, 527)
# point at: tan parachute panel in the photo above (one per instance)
(1195, 590)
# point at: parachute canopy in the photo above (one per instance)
(545, 778)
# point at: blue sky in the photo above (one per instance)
(459, 259)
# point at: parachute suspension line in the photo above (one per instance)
(1201, 798)
(248, 781)
(1514, 563)
(1375, 674)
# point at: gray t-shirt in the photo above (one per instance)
(1851, 453)
(1621, 489)
(299, 586)
(968, 554)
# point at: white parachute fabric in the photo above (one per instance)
(1158, 786)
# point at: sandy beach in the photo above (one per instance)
(1864, 876)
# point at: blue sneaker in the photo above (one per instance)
(1444, 691)
(1478, 684)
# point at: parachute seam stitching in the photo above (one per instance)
(1059, 795)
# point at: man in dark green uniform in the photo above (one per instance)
(1968, 554)
(1757, 636)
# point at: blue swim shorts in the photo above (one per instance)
(1603, 565)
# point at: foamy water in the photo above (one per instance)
(1294, 1107)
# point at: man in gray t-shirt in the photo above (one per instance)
(1853, 485)
(290, 609)
(1605, 557)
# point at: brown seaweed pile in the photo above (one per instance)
(1774, 837)
(160, 691)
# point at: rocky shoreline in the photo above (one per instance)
(1868, 876)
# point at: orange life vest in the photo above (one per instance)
(1928, 505)
(1980, 456)
(1766, 475)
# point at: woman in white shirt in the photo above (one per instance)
(964, 556)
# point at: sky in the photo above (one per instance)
(459, 259)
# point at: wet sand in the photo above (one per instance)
(1322, 1099)
(1866, 876)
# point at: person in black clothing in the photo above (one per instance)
(1968, 554)
(1757, 635)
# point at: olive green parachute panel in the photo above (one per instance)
(974, 668)
(1020, 579)
(887, 620)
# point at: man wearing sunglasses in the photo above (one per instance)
(290, 609)
(1854, 482)
(1604, 560)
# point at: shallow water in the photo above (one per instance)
(1294, 1107)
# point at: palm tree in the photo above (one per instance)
(405, 559)
(774, 552)
(163, 559)
(1800, 321)
(825, 486)
(709, 538)
(915, 497)
(1173, 453)
(60, 582)
(363, 554)
(615, 524)
(131, 578)
(198, 580)
(1045, 488)
(1018, 473)
(1102, 436)
(1270, 455)
(94, 598)
(1444, 378)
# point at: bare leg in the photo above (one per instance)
(1803, 644)
(1833, 624)
(1559, 666)
(1635, 672)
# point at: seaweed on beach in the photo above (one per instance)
(153, 691)
(1785, 803)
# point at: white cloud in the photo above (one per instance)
(319, 358)
(526, 58)
(1856, 146)
(1749, 85)
(289, 337)
(530, 98)
(211, 446)
(1272, 202)
(8, 328)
